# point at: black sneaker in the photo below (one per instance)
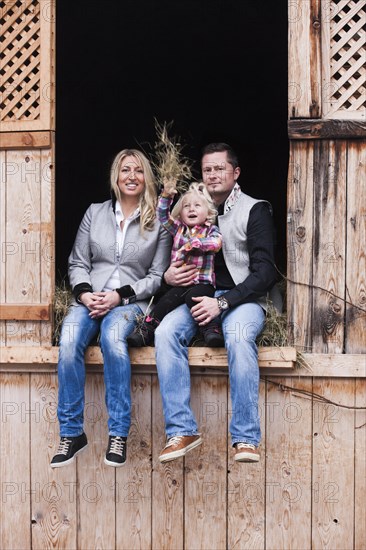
(116, 452)
(212, 335)
(68, 448)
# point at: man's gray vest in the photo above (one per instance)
(233, 226)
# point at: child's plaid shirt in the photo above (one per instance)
(194, 245)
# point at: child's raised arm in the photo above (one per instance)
(164, 202)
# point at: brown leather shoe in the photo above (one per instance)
(179, 445)
(245, 452)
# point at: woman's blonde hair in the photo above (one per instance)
(148, 198)
(200, 190)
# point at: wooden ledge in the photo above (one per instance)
(31, 359)
(273, 361)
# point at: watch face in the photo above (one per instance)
(223, 303)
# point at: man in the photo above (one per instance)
(245, 272)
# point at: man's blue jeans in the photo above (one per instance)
(78, 330)
(241, 327)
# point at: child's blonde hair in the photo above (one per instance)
(200, 190)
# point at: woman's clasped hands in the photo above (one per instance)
(100, 303)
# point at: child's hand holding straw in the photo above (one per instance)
(170, 185)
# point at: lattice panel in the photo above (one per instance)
(20, 56)
(346, 94)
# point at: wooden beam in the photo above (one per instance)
(198, 357)
(337, 364)
(326, 129)
(25, 312)
(273, 361)
(25, 140)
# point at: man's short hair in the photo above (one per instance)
(221, 148)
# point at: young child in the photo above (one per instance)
(196, 240)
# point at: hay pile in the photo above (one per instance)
(61, 302)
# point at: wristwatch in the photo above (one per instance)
(222, 303)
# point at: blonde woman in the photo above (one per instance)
(196, 241)
(115, 266)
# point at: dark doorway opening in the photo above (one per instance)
(218, 69)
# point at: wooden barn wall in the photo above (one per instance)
(327, 175)
(27, 123)
(27, 257)
(306, 492)
(326, 245)
(309, 488)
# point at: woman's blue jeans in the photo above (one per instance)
(241, 327)
(78, 330)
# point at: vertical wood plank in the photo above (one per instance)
(304, 59)
(133, 510)
(54, 492)
(206, 467)
(333, 466)
(167, 485)
(299, 243)
(246, 493)
(15, 531)
(329, 251)
(355, 330)
(23, 272)
(360, 467)
(327, 86)
(288, 475)
(47, 238)
(96, 483)
(47, 65)
(2, 241)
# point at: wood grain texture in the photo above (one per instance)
(206, 467)
(329, 250)
(3, 176)
(23, 272)
(167, 485)
(96, 482)
(48, 238)
(246, 492)
(304, 59)
(326, 129)
(54, 491)
(15, 475)
(198, 357)
(25, 312)
(355, 327)
(25, 140)
(288, 474)
(333, 466)
(300, 227)
(360, 467)
(15, 359)
(194, 502)
(133, 509)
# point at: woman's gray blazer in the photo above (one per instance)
(94, 256)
